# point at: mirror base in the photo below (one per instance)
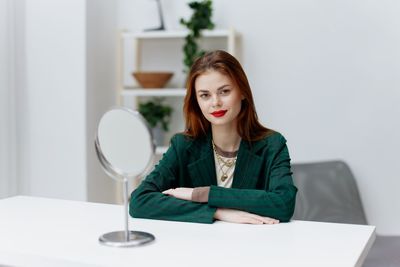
(118, 239)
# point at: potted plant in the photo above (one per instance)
(158, 116)
(200, 20)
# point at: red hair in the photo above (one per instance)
(248, 126)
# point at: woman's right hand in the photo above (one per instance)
(238, 216)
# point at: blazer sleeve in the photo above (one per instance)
(148, 201)
(278, 201)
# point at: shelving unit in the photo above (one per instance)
(135, 92)
(177, 34)
(129, 96)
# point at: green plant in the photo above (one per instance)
(200, 20)
(156, 113)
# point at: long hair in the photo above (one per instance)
(248, 126)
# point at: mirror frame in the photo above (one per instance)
(113, 171)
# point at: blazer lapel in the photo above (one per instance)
(248, 165)
(202, 170)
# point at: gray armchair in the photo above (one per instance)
(327, 192)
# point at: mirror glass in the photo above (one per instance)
(124, 142)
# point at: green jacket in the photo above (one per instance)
(262, 181)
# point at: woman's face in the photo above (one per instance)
(219, 99)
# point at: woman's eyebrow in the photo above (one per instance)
(222, 87)
(218, 89)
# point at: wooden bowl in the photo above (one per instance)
(149, 79)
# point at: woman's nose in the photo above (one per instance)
(216, 101)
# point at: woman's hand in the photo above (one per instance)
(238, 216)
(184, 193)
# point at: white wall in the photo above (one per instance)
(101, 68)
(8, 178)
(66, 80)
(54, 135)
(328, 74)
(325, 74)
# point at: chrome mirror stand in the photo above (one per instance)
(125, 238)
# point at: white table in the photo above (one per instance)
(50, 232)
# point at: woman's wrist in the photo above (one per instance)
(200, 194)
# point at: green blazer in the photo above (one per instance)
(262, 181)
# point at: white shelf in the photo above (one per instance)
(175, 34)
(153, 92)
(161, 150)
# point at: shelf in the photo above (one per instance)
(175, 34)
(127, 91)
(161, 150)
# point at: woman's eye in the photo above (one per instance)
(203, 95)
(225, 92)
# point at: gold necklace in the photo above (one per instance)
(222, 163)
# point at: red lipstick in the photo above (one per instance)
(219, 113)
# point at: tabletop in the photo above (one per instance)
(38, 231)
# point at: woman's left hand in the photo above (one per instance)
(184, 193)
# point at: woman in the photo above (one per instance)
(226, 166)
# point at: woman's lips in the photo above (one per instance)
(218, 113)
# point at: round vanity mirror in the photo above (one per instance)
(125, 150)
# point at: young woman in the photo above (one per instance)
(226, 166)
